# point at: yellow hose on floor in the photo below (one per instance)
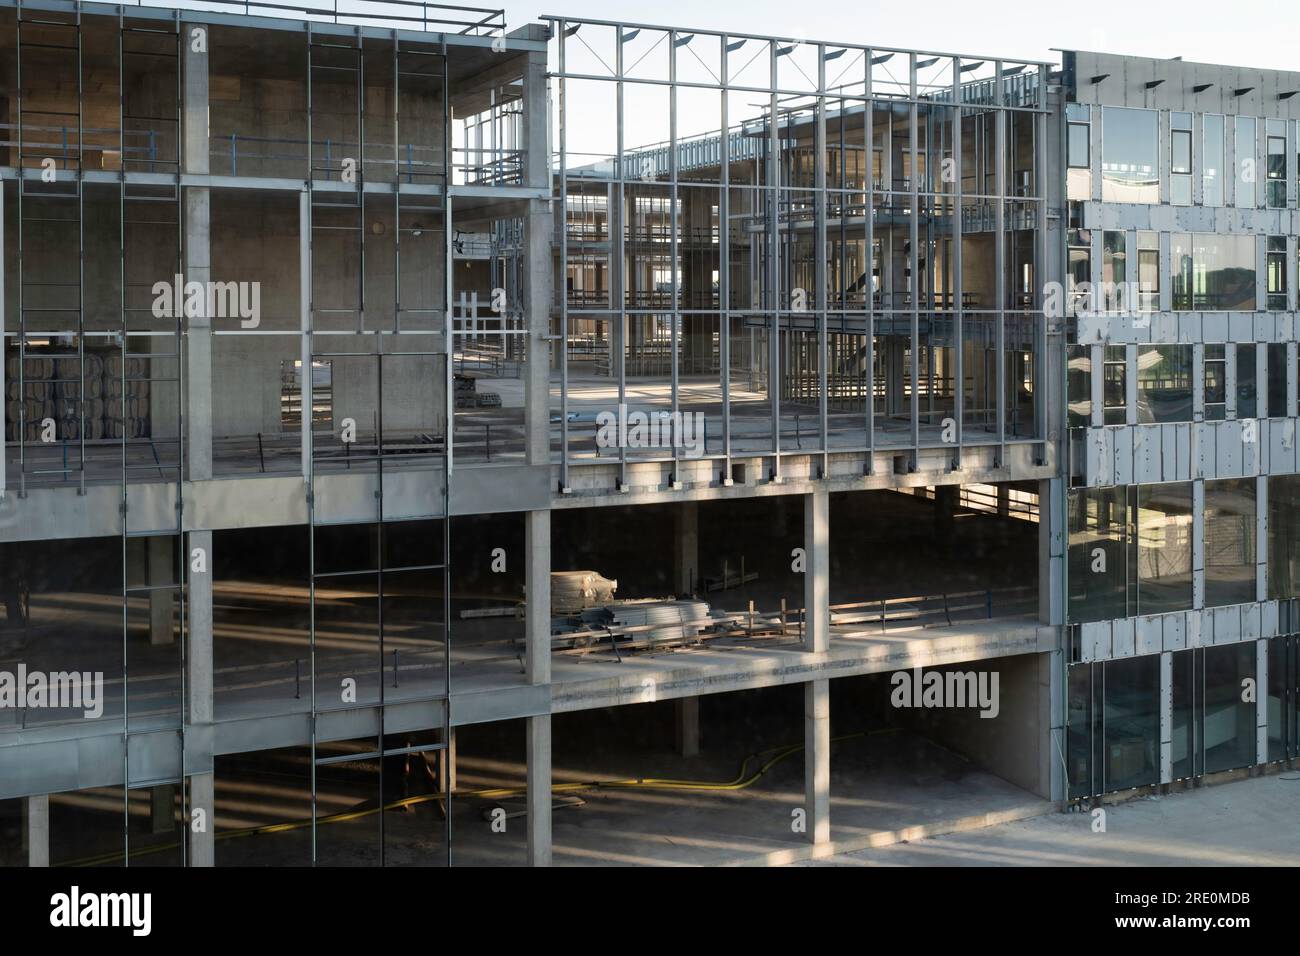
(773, 756)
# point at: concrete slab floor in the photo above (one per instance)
(881, 782)
(1242, 823)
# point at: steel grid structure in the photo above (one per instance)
(799, 303)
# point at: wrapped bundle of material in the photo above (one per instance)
(649, 623)
(572, 591)
(660, 621)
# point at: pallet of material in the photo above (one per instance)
(575, 591)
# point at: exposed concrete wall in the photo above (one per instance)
(1016, 743)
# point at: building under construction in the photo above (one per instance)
(429, 441)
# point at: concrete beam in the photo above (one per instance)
(817, 760)
(539, 790)
(817, 570)
(36, 829)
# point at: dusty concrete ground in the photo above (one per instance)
(1242, 823)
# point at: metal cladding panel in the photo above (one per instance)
(1095, 640)
(1227, 625)
(1182, 470)
(1122, 445)
(1122, 638)
(1250, 622)
(1174, 637)
(1150, 634)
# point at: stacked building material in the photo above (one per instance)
(52, 385)
(36, 400)
(573, 591)
(126, 404)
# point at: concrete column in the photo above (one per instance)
(198, 716)
(202, 804)
(817, 571)
(36, 829)
(198, 657)
(538, 605)
(198, 256)
(686, 564)
(687, 713)
(538, 656)
(539, 790)
(1052, 540)
(817, 759)
(539, 226)
(162, 574)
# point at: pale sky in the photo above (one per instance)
(1240, 34)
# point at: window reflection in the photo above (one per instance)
(1164, 381)
(1214, 273)
(1246, 159)
(1129, 156)
(1098, 553)
(1180, 159)
(1164, 548)
(1229, 542)
(1212, 161)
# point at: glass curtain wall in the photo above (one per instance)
(1113, 726)
(1130, 550)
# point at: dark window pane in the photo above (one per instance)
(1079, 146)
(1246, 381)
(1229, 720)
(1132, 722)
